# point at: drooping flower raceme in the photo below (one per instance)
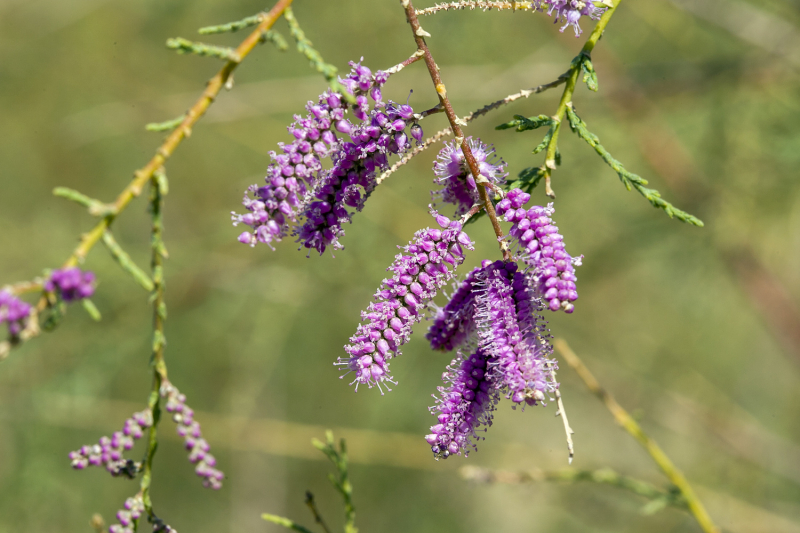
(429, 262)
(71, 283)
(13, 312)
(542, 249)
(271, 207)
(465, 403)
(571, 11)
(108, 452)
(189, 429)
(352, 178)
(457, 182)
(512, 333)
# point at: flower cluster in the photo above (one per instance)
(453, 174)
(14, 312)
(571, 11)
(108, 452)
(71, 283)
(352, 178)
(501, 305)
(542, 249)
(296, 176)
(189, 429)
(127, 517)
(464, 403)
(428, 264)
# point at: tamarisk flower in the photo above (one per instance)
(454, 175)
(542, 249)
(429, 262)
(273, 205)
(352, 178)
(71, 283)
(14, 312)
(453, 323)
(512, 334)
(108, 452)
(571, 11)
(128, 515)
(465, 403)
(189, 429)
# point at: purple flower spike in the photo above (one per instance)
(570, 11)
(129, 515)
(542, 249)
(455, 177)
(71, 283)
(352, 178)
(512, 333)
(14, 312)
(189, 429)
(455, 322)
(297, 167)
(428, 264)
(465, 403)
(108, 451)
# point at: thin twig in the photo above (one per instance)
(455, 122)
(167, 148)
(317, 517)
(630, 425)
(158, 188)
(604, 476)
(563, 414)
(416, 56)
(477, 4)
(427, 143)
(566, 96)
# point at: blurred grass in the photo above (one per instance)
(668, 319)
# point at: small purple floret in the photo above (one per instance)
(13, 312)
(108, 451)
(455, 177)
(570, 11)
(71, 283)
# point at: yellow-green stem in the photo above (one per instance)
(630, 425)
(566, 96)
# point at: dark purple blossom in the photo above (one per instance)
(13, 312)
(108, 452)
(542, 249)
(455, 322)
(129, 515)
(271, 207)
(355, 166)
(465, 403)
(71, 283)
(429, 262)
(512, 333)
(571, 11)
(189, 429)
(455, 177)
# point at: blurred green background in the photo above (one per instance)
(696, 331)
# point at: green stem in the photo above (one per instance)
(158, 188)
(629, 424)
(566, 96)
